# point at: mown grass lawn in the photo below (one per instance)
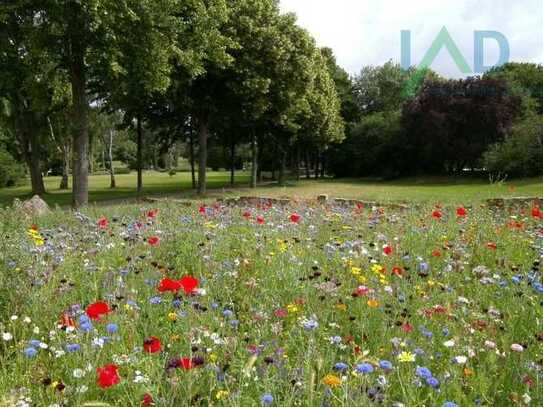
(154, 183)
(419, 189)
(302, 305)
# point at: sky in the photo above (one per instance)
(368, 32)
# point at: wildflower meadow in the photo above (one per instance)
(302, 304)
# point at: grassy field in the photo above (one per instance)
(304, 305)
(154, 183)
(431, 189)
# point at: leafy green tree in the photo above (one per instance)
(524, 80)
(521, 153)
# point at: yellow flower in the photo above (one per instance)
(362, 279)
(341, 307)
(292, 308)
(373, 303)
(406, 357)
(172, 316)
(332, 380)
(356, 270)
(377, 268)
(222, 394)
(213, 358)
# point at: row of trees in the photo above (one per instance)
(412, 122)
(167, 70)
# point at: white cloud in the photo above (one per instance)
(367, 32)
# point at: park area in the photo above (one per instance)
(285, 203)
(188, 301)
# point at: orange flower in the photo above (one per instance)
(372, 303)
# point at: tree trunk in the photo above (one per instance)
(254, 159)
(321, 157)
(297, 160)
(191, 148)
(112, 183)
(91, 153)
(202, 153)
(232, 162)
(80, 172)
(282, 166)
(65, 166)
(139, 155)
(307, 165)
(317, 165)
(260, 154)
(34, 165)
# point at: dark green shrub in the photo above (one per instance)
(521, 153)
(11, 172)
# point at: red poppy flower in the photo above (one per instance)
(295, 218)
(147, 400)
(202, 209)
(461, 211)
(359, 206)
(186, 363)
(152, 345)
(280, 313)
(97, 309)
(436, 253)
(407, 327)
(247, 215)
(492, 245)
(260, 220)
(536, 212)
(362, 290)
(152, 213)
(107, 376)
(387, 250)
(34, 227)
(153, 240)
(436, 214)
(189, 284)
(398, 271)
(167, 284)
(103, 222)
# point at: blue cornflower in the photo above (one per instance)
(267, 399)
(385, 364)
(450, 404)
(112, 328)
(341, 366)
(516, 279)
(214, 305)
(155, 300)
(84, 318)
(423, 372)
(445, 331)
(364, 368)
(432, 382)
(423, 266)
(234, 323)
(86, 326)
(310, 324)
(30, 352)
(228, 313)
(176, 303)
(73, 347)
(34, 343)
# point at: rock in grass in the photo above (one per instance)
(35, 206)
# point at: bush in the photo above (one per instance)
(521, 153)
(11, 172)
(369, 148)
